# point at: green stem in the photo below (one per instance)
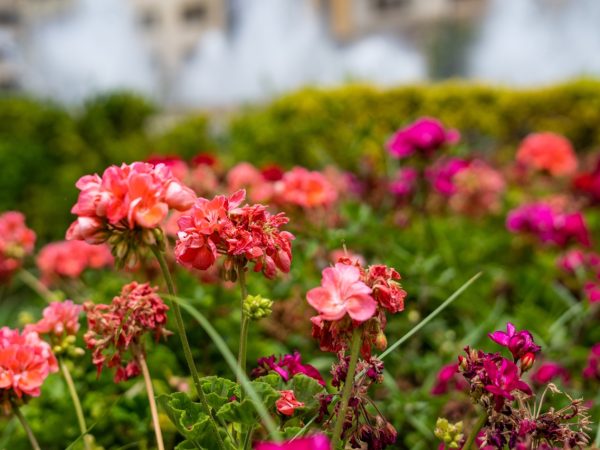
(470, 443)
(151, 399)
(185, 343)
(245, 321)
(348, 385)
(37, 286)
(87, 441)
(28, 431)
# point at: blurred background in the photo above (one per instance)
(221, 53)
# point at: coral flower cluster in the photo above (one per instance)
(422, 138)
(120, 327)
(16, 241)
(548, 152)
(25, 362)
(241, 233)
(60, 319)
(68, 259)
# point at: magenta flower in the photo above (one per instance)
(316, 442)
(592, 370)
(405, 182)
(519, 343)
(549, 371)
(287, 367)
(503, 380)
(448, 378)
(425, 135)
(441, 175)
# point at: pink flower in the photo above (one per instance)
(59, 319)
(287, 403)
(179, 168)
(441, 175)
(307, 189)
(548, 151)
(425, 136)
(404, 182)
(477, 189)
(25, 362)
(592, 370)
(519, 343)
(116, 328)
(549, 371)
(16, 241)
(259, 186)
(503, 380)
(316, 442)
(69, 259)
(342, 292)
(447, 378)
(287, 367)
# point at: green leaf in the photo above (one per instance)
(305, 388)
(219, 391)
(244, 412)
(290, 432)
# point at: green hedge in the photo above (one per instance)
(318, 126)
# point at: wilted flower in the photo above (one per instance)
(305, 188)
(25, 362)
(519, 343)
(316, 442)
(548, 151)
(287, 403)
(116, 328)
(424, 136)
(287, 366)
(16, 241)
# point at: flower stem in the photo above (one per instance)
(244, 321)
(348, 385)
(185, 343)
(27, 428)
(470, 443)
(76, 403)
(36, 285)
(151, 399)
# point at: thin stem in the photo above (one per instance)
(36, 285)
(470, 443)
(185, 343)
(27, 428)
(245, 321)
(348, 385)
(76, 403)
(151, 399)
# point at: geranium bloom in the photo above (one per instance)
(116, 328)
(25, 362)
(477, 189)
(592, 370)
(305, 188)
(441, 175)
(425, 136)
(16, 241)
(316, 442)
(519, 343)
(589, 183)
(287, 366)
(69, 259)
(287, 403)
(548, 151)
(549, 371)
(221, 226)
(179, 168)
(59, 319)
(447, 378)
(405, 182)
(260, 187)
(342, 292)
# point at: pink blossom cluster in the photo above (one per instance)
(25, 362)
(422, 138)
(116, 328)
(136, 195)
(477, 189)
(351, 295)
(201, 175)
(549, 371)
(548, 152)
(59, 319)
(286, 367)
(247, 233)
(586, 264)
(16, 241)
(519, 343)
(448, 379)
(68, 259)
(441, 174)
(549, 224)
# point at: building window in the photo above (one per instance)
(194, 13)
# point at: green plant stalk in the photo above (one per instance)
(76, 403)
(36, 285)
(348, 385)
(151, 399)
(185, 343)
(470, 443)
(245, 322)
(26, 427)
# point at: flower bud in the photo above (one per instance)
(380, 341)
(256, 307)
(527, 361)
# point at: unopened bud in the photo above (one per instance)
(380, 341)
(57, 349)
(450, 434)
(527, 361)
(148, 237)
(256, 307)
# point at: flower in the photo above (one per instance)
(446, 379)
(441, 175)
(116, 328)
(16, 241)
(519, 343)
(548, 151)
(316, 442)
(259, 186)
(477, 189)
(247, 234)
(592, 370)
(59, 319)
(25, 362)
(287, 403)
(405, 182)
(69, 259)
(307, 189)
(179, 168)
(342, 292)
(588, 183)
(549, 371)
(425, 135)
(287, 366)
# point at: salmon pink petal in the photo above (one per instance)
(151, 217)
(361, 308)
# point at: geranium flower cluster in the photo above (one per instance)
(119, 327)
(549, 152)
(421, 138)
(242, 233)
(350, 296)
(68, 259)
(25, 362)
(588, 183)
(16, 241)
(582, 267)
(125, 205)
(60, 319)
(286, 366)
(549, 224)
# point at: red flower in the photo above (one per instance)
(287, 403)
